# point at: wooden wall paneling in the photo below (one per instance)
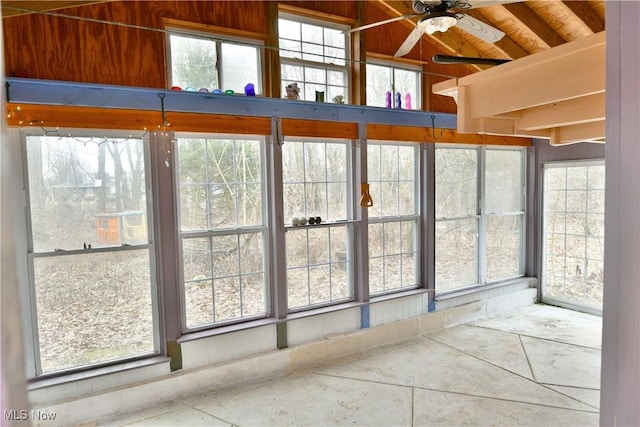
(246, 15)
(337, 11)
(63, 48)
(68, 49)
(426, 135)
(50, 117)
(359, 55)
(272, 74)
(316, 128)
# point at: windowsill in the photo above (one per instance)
(40, 383)
(221, 330)
(215, 331)
(480, 288)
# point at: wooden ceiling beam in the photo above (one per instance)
(505, 48)
(570, 70)
(561, 19)
(577, 111)
(539, 34)
(599, 7)
(586, 13)
(590, 132)
(567, 105)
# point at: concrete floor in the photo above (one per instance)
(537, 366)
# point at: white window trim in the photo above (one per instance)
(417, 103)
(224, 231)
(545, 166)
(218, 39)
(349, 223)
(346, 68)
(481, 217)
(32, 351)
(415, 218)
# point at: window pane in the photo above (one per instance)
(315, 75)
(93, 308)
(224, 274)
(240, 65)
(292, 74)
(456, 182)
(85, 191)
(323, 276)
(323, 191)
(504, 247)
(193, 62)
(220, 179)
(289, 29)
(378, 83)
(392, 255)
(573, 234)
(406, 82)
(456, 254)
(503, 184)
(224, 278)
(334, 38)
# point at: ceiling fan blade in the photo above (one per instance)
(375, 24)
(409, 42)
(447, 59)
(479, 29)
(474, 4)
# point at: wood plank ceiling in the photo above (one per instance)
(529, 26)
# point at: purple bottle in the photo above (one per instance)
(407, 101)
(388, 99)
(398, 100)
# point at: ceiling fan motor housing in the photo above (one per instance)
(426, 6)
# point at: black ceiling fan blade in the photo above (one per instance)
(447, 59)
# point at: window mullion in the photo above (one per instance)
(481, 258)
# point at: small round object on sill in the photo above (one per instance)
(318, 220)
(312, 220)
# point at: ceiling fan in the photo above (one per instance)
(440, 15)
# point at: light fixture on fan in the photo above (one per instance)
(437, 21)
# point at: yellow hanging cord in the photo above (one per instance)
(365, 200)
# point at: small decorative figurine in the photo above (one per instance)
(293, 91)
(338, 99)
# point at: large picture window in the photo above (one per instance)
(314, 55)
(393, 219)
(479, 216)
(573, 233)
(222, 229)
(90, 255)
(316, 185)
